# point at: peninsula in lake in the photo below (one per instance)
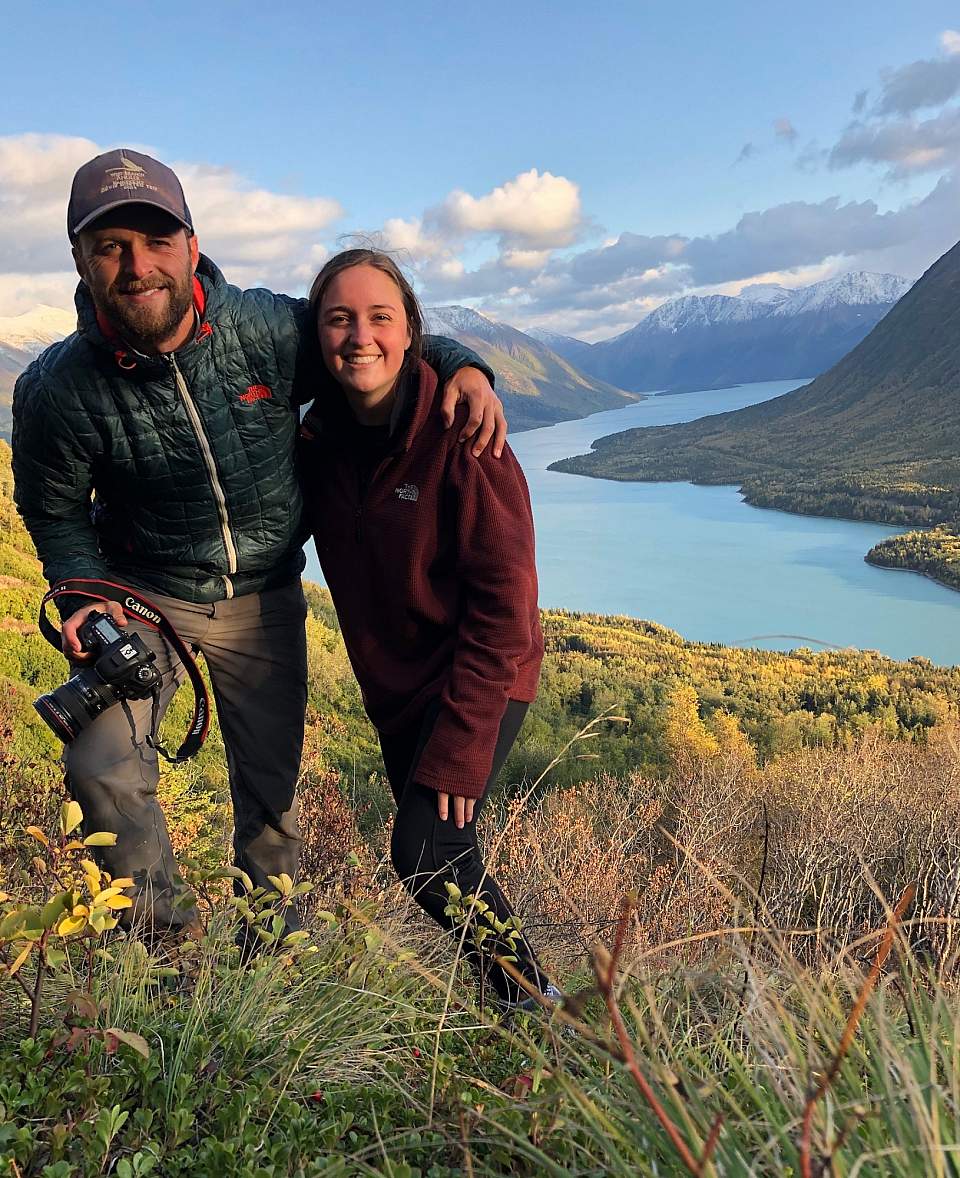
(877, 437)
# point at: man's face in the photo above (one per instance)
(138, 264)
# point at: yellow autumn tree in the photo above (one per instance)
(687, 738)
(732, 741)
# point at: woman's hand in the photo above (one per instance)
(462, 809)
(486, 418)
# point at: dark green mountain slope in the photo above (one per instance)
(538, 387)
(877, 437)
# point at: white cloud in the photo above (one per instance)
(533, 210)
(525, 259)
(246, 222)
(409, 236)
(950, 40)
(926, 83)
(22, 292)
(452, 268)
(905, 145)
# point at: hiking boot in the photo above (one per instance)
(530, 1003)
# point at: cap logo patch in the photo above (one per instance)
(408, 491)
(129, 176)
(256, 392)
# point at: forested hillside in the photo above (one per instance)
(781, 701)
(826, 780)
(538, 386)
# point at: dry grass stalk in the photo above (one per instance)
(605, 968)
(883, 951)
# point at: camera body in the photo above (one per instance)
(121, 670)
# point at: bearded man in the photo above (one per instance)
(155, 447)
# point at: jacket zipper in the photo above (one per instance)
(218, 494)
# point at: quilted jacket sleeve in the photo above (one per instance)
(52, 470)
(447, 356)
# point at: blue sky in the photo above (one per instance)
(505, 148)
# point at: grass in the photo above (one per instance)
(755, 1006)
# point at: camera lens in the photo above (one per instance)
(64, 723)
(74, 705)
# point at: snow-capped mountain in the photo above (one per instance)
(699, 311)
(552, 338)
(537, 385)
(455, 319)
(857, 289)
(767, 332)
(22, 338)
(35, 330)
(766, 292)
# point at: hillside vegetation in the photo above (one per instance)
(877, 437)
(709, 885)
(781, 701)
(538, 386)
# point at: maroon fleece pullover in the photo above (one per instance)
(429, 558)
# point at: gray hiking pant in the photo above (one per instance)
(255, 649)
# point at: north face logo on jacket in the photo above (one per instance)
(255, 392)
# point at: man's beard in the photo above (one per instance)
(147, 325)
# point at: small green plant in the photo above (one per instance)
(495, 940)
(77, 904)
(259, 910)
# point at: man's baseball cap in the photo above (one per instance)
(123, 177)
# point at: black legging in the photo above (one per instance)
(428, 853)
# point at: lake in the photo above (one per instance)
(704, 563)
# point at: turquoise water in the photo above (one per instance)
(699, 560)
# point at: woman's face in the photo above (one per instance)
(364, 334)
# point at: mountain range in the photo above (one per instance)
(876, 437)
(767, 332)
(536, 384)
(538, 387)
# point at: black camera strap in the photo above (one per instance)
(143, 610)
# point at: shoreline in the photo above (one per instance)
(899, 568)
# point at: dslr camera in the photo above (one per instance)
(121, 670)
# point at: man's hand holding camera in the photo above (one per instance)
(70, 640)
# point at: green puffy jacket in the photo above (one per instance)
(177, 471)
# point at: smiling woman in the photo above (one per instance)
(428, 553)
(365, 338)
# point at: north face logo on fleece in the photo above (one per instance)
(407, 491)
(256, 392)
